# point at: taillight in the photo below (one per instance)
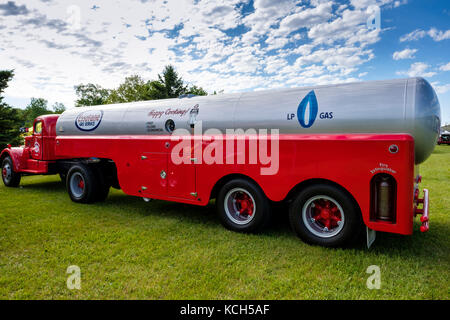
(383, 190)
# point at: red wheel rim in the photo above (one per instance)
(239, 205)
(327, 213)
(323, 216)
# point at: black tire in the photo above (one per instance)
(252, 193)
(9, 176)
(312, 231)
(87, 193)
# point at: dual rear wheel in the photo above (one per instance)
(320, 214)
(86, 184)
(243, 206)
(325, 215)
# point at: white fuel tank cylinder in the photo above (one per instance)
(391, 106)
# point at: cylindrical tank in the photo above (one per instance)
(392, 106)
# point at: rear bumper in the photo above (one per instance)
(424, 211)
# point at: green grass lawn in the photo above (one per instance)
(129, 249)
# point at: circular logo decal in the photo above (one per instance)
(89, 120)
(36, 147)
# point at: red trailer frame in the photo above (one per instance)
(141, 166)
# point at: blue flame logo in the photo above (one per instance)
(311, 101)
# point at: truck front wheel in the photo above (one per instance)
(325, 215)
(82, 184)
(242, 206)
(10, 178)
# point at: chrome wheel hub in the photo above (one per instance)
(77, 184)
(7, 172)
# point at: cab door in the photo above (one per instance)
(36, 147)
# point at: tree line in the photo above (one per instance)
(134, 88)
(168, 85)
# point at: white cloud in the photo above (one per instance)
(436, 35)
(404, 54)
(363, 4)
(439, 35)
(279, 43)
(445, 67)
(306, 18)
(417, 69)
(441, 89)
(350, 26)
(414, 35)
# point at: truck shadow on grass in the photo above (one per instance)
(44, 187)
(418, 245)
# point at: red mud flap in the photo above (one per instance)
(424, 211)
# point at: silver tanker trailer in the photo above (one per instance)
(391, 106)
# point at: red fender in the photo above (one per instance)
(16, 154)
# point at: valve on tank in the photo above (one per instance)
(193, 116)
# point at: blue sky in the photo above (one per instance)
(228, 45)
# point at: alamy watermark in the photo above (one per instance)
(374, 19)
(374, 280)
(236, 146)
(74, 280)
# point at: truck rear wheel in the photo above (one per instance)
(82, 184)
(325, 215)
(10, 178)
(242, 206)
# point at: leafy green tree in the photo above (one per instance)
(91, 95)
(157, 90)
(173, 84)
(10, 120)
(134, 88)
(10, 123)
(198, 91)
(5, 77)
(58, 108)
(36, 108)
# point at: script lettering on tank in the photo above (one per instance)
(157, 114)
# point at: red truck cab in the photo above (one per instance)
(37, 156)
